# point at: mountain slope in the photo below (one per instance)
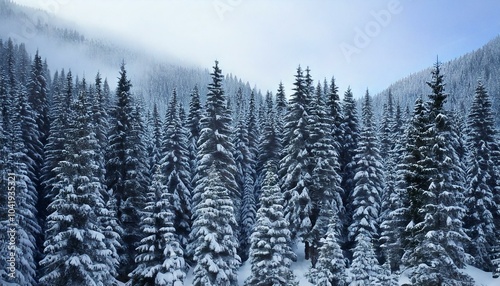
(461, 76)
(153, 78)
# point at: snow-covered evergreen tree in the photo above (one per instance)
(126, 169)
(349, 142)
(495, 260)
(5, 100)
(194, 128)
(216, 198)
(269, 145)
(76, 252)
(39, 103)
(38, 100)
(29, 153)
(398, 232)
(155, 126)
(10, 84)
(20, 156)
(386, 277)
(251, 123)
(239, 105)
(369, 179)
(175, 168)
(112, 232)
(248, 203)
(281, 106)
(100, 105)
(386, 128)
(438, 253)
(325, 190)
(108, 220)
(482, 179)
(245, 165)
(160, 259)
(281, 102)
(60, 112)
(214, 240)
(22, 189)
(331, 267)
(294, 164)
(334, 111)
(392, 141)
(270, 251)
(364, 269)
(214, 145)
(261, 116)
(388, 139)
(347, 151)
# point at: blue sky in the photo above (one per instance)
(364, 44)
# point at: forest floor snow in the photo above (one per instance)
(301, 267)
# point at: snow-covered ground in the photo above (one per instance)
(301, 267)
(482, 278)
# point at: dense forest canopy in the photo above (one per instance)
(102, 189)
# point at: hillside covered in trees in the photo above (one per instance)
(99, 188)
(462, 75)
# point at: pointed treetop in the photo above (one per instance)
(390, 104)
(215, 87)
(348, 96)
(281, 102)
(438, 95)
(124, 84)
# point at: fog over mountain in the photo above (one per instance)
(64, 47)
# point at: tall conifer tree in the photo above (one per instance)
(245, 165)
(325, 189)
(369, 181)
(216, 198)
(125, 169)
(175, 168)
(347, 151)
(331, 267)
(482, 178)
(18, 181)
(438, 254)
(194, 128)
(270, 252)
(76, 251)
(295, 161)
(269, 145)
(397, 227)
(160, 259)
(214, 238)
